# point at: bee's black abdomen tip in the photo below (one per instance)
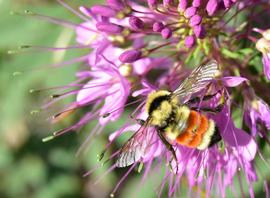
(215, 138)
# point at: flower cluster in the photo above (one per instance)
(142, 46)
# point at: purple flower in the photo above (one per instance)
(152, 3)
(136, 23)
(256, 113)
(87, 36)
(103, 10)
(166, 33)
(195, 20)
(189, 12)
(107, 84)
(137, 48)
(212, 7)
(109, 28)
(233, 81)
(182, 6)
(116, 4)
(263, 45)
(158, 26)
(196, 3)
(266, 65)
(130, 56)
(199, 31)
(167, 3)
(227, 3)
(190, 41)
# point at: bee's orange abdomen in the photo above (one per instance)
(197, 139)
(193, 122)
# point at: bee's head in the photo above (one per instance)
(154, 100)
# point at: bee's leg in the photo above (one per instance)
(204, 98)
(170, 148)
(216, 109)
(140, 122)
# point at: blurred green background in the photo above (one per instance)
(29, 167)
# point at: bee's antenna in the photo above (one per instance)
(140, 122)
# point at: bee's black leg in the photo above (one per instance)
(204, 98)
(216, 109)
(170, 148)
(140, 122)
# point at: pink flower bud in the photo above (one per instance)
(182, 6)
(103, 10)
(152, 3)
(199, 31)
(189, 41)
(166, 3)
(158, 26)
(195, 20)
(196, 3)
(136, 23)
(190, 12)
(109, 27)
(212, 7)
(227, 3)
(130, 56)
(166, 33)
(116, 4)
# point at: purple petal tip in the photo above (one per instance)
(130, 56)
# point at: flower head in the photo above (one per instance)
(141, 54)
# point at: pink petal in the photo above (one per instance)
(233, 81)
(266, 65)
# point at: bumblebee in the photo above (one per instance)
(174, 120)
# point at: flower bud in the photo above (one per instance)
(195, 20)
(158, 26)
(196, 3)
(136, 23)
(109, 27)
(182, 6)
(191, 11)
(166, 33)
(199, 31)
(167, 3)
(212, 7)
(152, 3)
(130, 56)
(103, 10)
(227, 3)
(189, 41)
(116, 4)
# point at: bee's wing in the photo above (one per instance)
(197, 80)
(135, 147)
